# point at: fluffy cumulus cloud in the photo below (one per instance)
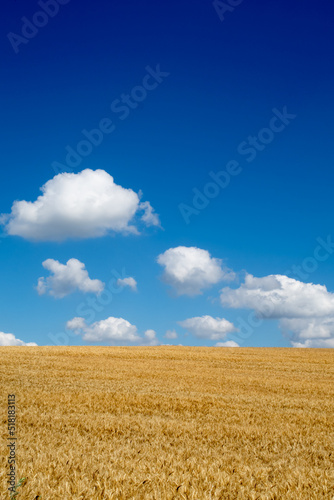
(305, 310)
(229, 343)
(8, 339)
(189, 270)
(112, 331)
(130, 282)
(207, 327)
(278, 296)
(76, 324)
(67, 278)
(84, 205)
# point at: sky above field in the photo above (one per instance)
(167, 173)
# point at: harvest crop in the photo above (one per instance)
(170, 422)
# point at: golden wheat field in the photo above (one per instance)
(170, 422)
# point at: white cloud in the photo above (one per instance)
(305, 311)
(309, 332)
(76, 324)
(149, 217)
(8, 339)
(113, 330)
(191, 269)
(277, 296)
(171, 334)
(84, 205)
(207, 327)
(320, 343)
(305, 328)
(150, 338)
(66, 278)
(130, 282)
(229, 343)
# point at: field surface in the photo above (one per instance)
(163, 423)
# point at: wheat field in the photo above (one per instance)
(170, 422)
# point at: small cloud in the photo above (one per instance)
(66, 279)
(171, 334)
(229, 343)
(76, 324)
(113, 330)
(130, 282)
(207, 327)
(189, 270)
(149, 217)
(151, 338)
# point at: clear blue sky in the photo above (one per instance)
(223, 81)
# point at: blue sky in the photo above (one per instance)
(211, 86)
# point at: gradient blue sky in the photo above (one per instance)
(225, 78)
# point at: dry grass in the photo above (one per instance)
(170, 422)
